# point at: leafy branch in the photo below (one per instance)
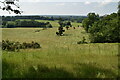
(8, 6)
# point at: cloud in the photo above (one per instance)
(74, 3)
(108, 0)
(87, 2)
(30, 0)
(104, 2)
(60, 4)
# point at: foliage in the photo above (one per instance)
(87, 22)
(105, 30)
(102, 29)
(46, 17)
(8, 6)
(118, 13)
(26, 23)
(9, 25)
(65, 23)
(16, 46)
(83, 41)
(60, 32)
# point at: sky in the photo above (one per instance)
(65, 7)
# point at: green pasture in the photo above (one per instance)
(60, 56)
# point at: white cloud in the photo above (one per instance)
(68, 0)
(108, 0)
(60, 4)
(74, 3)
(30, 0)
(87, 2)
(104, 2)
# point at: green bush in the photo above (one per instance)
(82, 41)
(60, 32)
(16, 46)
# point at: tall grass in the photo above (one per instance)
(59, 57)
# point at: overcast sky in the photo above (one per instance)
(65, 7)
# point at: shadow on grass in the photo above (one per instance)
(11, 70)
(67, 34)
(42, 71)
(91, 71)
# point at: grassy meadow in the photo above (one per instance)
(60, 56)
(55, 23)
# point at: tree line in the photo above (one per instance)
(52, 18)
(26, 23)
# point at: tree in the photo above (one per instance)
(10, 25)
(8, 6)
(105, 30)
(118, 13)
(86, 24)
(119, 7)
(49, 26)
(60, 31)
(91, 18)
(61, 23)
(60, 28)
(69, 24)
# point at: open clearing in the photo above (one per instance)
(60, 56)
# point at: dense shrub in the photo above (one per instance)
(10, 25)
(83, 41)
(65, 23)
(60, 31)
(16, 46)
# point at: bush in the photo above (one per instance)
(82, 41)
(16, 46)
(60, 33)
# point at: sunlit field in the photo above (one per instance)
(59, 56)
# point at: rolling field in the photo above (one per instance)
(60, 56)
(55, 23)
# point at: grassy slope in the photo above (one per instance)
(55, 23)
(59, 56)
